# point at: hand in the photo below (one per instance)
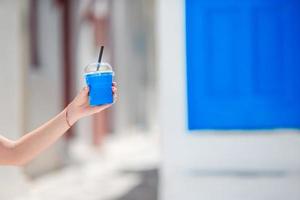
(80, 107)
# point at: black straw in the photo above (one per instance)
(100, 57)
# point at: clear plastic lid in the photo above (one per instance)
(98, 68)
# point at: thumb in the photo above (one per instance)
(81, 97)
(85, 91)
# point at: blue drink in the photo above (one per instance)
(100, 84)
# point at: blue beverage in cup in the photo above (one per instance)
(99, 79)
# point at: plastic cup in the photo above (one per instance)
(99, 78)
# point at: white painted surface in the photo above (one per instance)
(45, 86)
(11, 69)
(185, 153)
(133, 55)
(12, 180)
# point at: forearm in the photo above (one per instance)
(33, 143)
(30, 145)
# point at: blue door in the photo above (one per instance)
(243, 64)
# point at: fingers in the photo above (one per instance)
(96, 109)
(114, 89)
(115, 96)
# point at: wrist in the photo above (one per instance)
(71, 116)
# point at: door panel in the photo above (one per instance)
(243, 64)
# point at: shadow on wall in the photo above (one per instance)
(147, 189)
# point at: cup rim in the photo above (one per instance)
(100, 72)
(110, 70)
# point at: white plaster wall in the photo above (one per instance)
(45, 85)
(121, 42)
(133, 54)
(12, 180)
(186, 154)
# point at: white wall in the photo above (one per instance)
(11, 90)
(133, 56)
(45, 84)
(186, 154)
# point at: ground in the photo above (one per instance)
(125, 168)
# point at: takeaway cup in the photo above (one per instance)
(99, 78)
